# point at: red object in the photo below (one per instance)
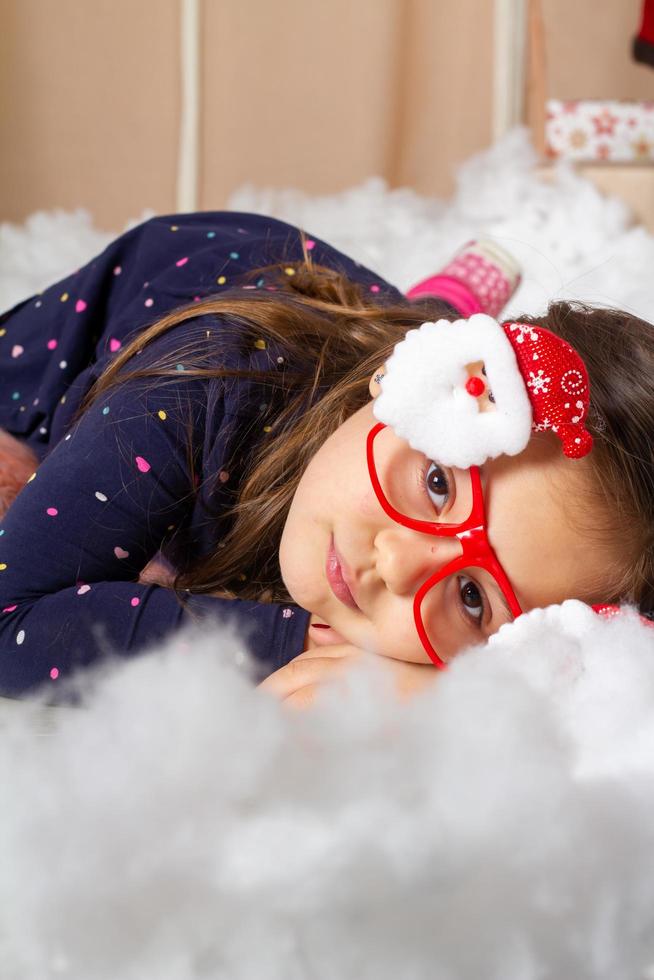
(610, 612)
(557, 384)
(643, 48)
(476, 550)
(475, 386)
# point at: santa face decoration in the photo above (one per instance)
(461, 393)
(532, 381)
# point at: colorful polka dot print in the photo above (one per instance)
(115, 484)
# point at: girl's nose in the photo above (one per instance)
(406, 558)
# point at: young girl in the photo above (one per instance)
(231, 436)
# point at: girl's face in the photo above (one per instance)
(529, 521)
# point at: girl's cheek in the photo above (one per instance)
(368, 504)
(399, 639)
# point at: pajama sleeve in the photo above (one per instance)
(98, 509)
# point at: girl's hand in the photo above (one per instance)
(298, 682)
(156, 573)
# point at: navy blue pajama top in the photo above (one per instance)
(115, 488)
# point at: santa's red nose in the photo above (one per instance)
(475, 387)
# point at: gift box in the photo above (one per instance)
(600, 131)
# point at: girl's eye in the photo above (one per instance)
(471, 599)
(437, 486)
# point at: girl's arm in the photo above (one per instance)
(74, 541)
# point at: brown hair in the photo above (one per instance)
(336, 334)
(618, 350)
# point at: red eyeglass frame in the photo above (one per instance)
(471, 534)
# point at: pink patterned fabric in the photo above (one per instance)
(472, 282)
(451, 290)
(485, 280)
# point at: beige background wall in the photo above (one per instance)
(588, 46)
(316, 94)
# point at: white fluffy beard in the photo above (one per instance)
(423, 395)
(184, 825)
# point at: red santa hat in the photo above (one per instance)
(557, 385)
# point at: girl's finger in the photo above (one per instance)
(302, 671)
(338, 652)
(302, 699)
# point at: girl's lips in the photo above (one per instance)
(336, 578)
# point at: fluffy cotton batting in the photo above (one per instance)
(499, 826)
(184, 824)
(423, 395)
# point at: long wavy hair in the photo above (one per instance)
(336, 334)
(617, 506)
